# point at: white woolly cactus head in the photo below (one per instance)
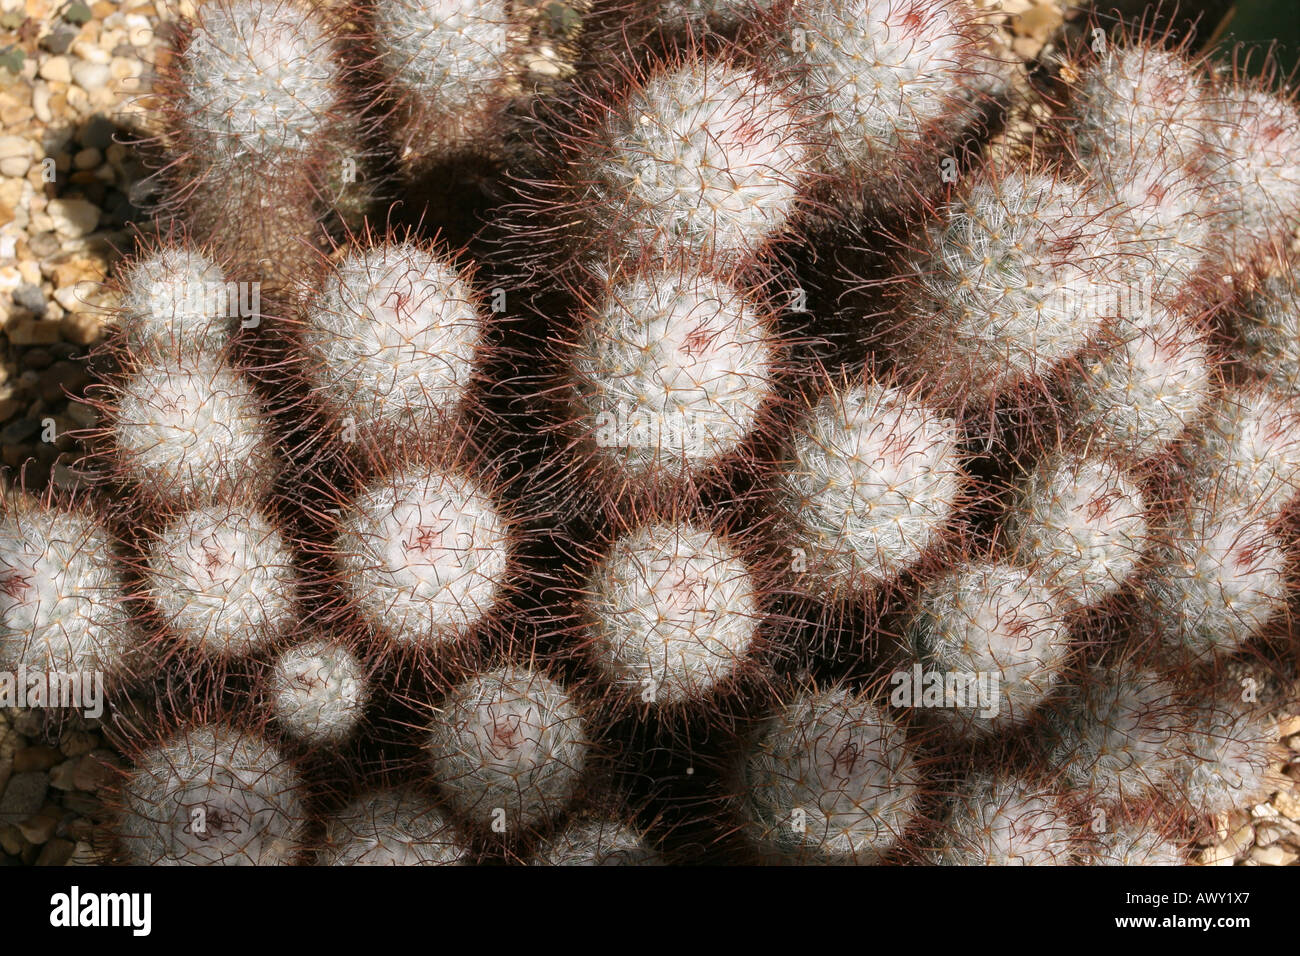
(673, 611)
(318, 692)
(424, 554)
(259, 79)
(1216, 580)
(452, 61)
(449, 49)
(596, 842)
(175, 300)
(1141, 105)
(213, 795)
(1165, 225)
(509, 749)
(191, 429)
(1141, 129)
(1267, 331)
(702, 162)
(1135, 845)
(399, 827)
(1247, 449)
(997, 634)
(223, 579)
(390, 341)
(830, 779)
(1257, 135)
(1009, 821)
(1227, 758)
(1135, 398)
(1023, 272)
(61, 595)
(875, 478)
(887, 77)
(672, 371)
(1116, 738)
(1081, 521)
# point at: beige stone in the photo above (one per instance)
(1287, 805)
(1272, 856)
(1288, 726)
(73, 217)
(15, 156)
(81, 328)
(56, 69)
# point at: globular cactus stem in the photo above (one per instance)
(830, 779)
(212, 795)
(62, 595)
(596, 841)
(389, 343)
(191, 430)
(1141, 389)
(223, 579)
(318, 692)
(892, 84)
(1009, 821)
(1116, 735)
(259, 113)
(671, 372)
(451, 67)
(997, 636)
(509, 749)
(1020, 273)
(875, 479)
(1217, 578)
(425, 555)
(673, 612)
(701, 161)
(1082, 523)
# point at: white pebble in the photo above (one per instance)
(73, 218)
(90, 76)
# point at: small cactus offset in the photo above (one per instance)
(542, 434)
(319, 692)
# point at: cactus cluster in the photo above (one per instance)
(546, 534)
